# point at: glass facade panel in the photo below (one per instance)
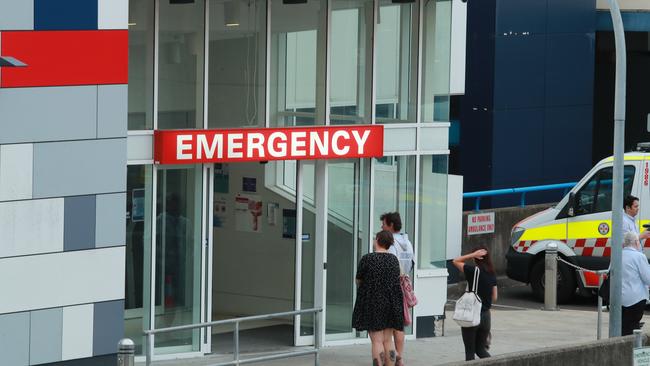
(237, 63)
(308, 248)
(396, 62)
(180, 64)
(347, 239)
(395, 190)
(139, 205)
(433, 212)
(178, 256)
(351, 61)
(141, 61)
(297, 62)
(435, 60)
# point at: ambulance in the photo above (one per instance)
(580, 225)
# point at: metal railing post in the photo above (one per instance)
(600, 308)
(236, 342)
(149, 353)
(550, 278)
(317, 345)
(638, 338)
(125, 352)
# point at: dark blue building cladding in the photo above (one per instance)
(537, 128)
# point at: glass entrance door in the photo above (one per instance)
(347, 240)
(178, 250)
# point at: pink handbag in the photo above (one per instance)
(407, 314)
(410, 299)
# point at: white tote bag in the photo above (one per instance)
(468, 308)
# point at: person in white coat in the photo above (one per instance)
(403, 250)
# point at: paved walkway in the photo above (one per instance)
(513, 330)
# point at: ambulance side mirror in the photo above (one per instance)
(571, 206)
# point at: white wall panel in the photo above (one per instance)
(458, 47)
(31, 227)
(434, 137)
(77, 332)
(454, 215)
(62, 279)
(16, 163)
(139, 147)
(625, 5)
(113, 14)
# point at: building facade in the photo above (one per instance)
(63, 128)
(212, 239)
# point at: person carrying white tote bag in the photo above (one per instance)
(467, 312)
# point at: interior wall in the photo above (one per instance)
(253, 272)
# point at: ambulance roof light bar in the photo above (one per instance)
(643, 146)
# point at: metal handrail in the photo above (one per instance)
(149, 334)
(522, 190)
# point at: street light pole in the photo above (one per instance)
(617, 189)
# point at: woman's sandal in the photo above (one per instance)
(398, 361)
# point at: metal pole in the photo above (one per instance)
(149, 353)
(600, 309)
(125, 352)
(550, 278)
(236, 341)
(638, 338)
(617, 194)
(317, 344)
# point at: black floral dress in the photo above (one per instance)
(379, 302)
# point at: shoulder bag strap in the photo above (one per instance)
(475, 283)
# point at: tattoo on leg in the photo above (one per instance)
(392, 355)
(382, 357)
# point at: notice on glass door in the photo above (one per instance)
(248, 213)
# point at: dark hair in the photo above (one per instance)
(392, 218)
(484, 264)
(629, 201)
(384, 239)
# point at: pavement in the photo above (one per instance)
(514, 329)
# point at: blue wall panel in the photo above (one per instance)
(570, 69)
(519, 71)
(567, 143)
(65, 14)
(519, 16)
(518, 147)
(574, 16)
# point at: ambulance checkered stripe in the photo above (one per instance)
(592, 247)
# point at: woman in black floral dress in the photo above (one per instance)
(379, 307)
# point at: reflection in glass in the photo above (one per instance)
(178, 255)
(435, 60)
(396, 62)
(141, 46)
(237, 63)
(137, 303)
(395, 190)
(180, 64)
(297, 34)
(351, 61)
(347, 239)
(308, 248)
(433, 212)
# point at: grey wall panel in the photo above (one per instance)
(16, 15)
(46, 331)
(79, 167)
(112, 110)
(14, 339)
(110, 227)
(16, 171)
(108, 321)
(48, 114)
(79, 227)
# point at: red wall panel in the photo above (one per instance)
(58, 58)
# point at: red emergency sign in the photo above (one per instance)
(292, 143)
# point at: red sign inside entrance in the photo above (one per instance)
(292, 143)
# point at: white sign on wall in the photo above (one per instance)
(482, 223)
(642, 356)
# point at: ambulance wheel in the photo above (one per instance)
(566, 282)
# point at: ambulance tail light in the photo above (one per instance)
(516, 234)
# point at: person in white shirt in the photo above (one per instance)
(631, 209)
(403, 250)
(636, 279)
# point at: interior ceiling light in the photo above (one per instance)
(231, 13)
